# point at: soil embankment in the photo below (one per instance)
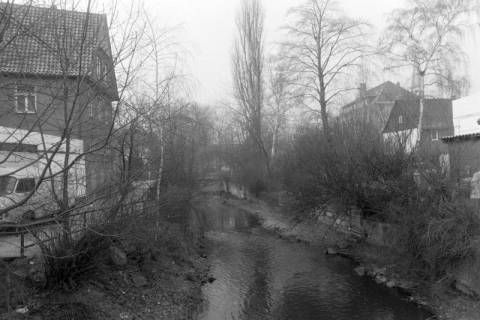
(163, 282)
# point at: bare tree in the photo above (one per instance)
(425, 36)
(323, 47)
(248, 74)
(281, 98)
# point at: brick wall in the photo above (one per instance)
(60, 104)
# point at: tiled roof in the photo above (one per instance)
(437, 114)
(386, 91)
(49, 41)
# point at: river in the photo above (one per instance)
(261, 276)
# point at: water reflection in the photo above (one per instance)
(262, 277)
(257, 297)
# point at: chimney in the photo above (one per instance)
(362, 90)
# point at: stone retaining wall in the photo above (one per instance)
(351, 222)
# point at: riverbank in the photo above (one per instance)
(128, 282)
(383, 264)
(263, 275)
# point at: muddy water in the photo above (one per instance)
(259, 276)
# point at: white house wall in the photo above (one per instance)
(466, 113)
(29, 164)
(13, 135)
(407, 138)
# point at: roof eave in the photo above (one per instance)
(463, 137)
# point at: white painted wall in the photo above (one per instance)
(45, 142)
(28, 164)
(406, 138)
(466, 113)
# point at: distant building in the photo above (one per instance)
(374, 105)
(466, 114)
(408, 126)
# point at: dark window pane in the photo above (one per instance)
(25, 88)
(105, 72)
(18, 147)
(31, 104)
(7, 183)
(21, 103)
(25, 185)
(99, 67)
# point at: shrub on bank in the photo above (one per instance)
(354, 166)
(437, 233)
(69, 257)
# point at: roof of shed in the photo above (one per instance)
(461, 137)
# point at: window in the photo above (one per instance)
(18, 147)
(400, 120)
(91, 110)
(25, 185)
(103, 114)
(101, 67)
(7, 184)
(25, 99)
(434, 135)
(105, 71)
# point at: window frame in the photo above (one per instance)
(15, 181)
(91, 111)
(437, 135)
(98, 67)
(26, 94)
(400, 119)
(102, 68)
(20, 180)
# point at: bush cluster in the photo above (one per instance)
(68, 259)
(437, 233)
(354, 166)
(69, 256)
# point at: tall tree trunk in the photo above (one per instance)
(161, 165)
(248, 63)
(64, 203)
(323, 111)
(422, 97)
(275, 138)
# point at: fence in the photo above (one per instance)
(18, 240)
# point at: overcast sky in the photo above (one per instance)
(208, 26)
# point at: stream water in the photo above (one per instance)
(260, 276)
